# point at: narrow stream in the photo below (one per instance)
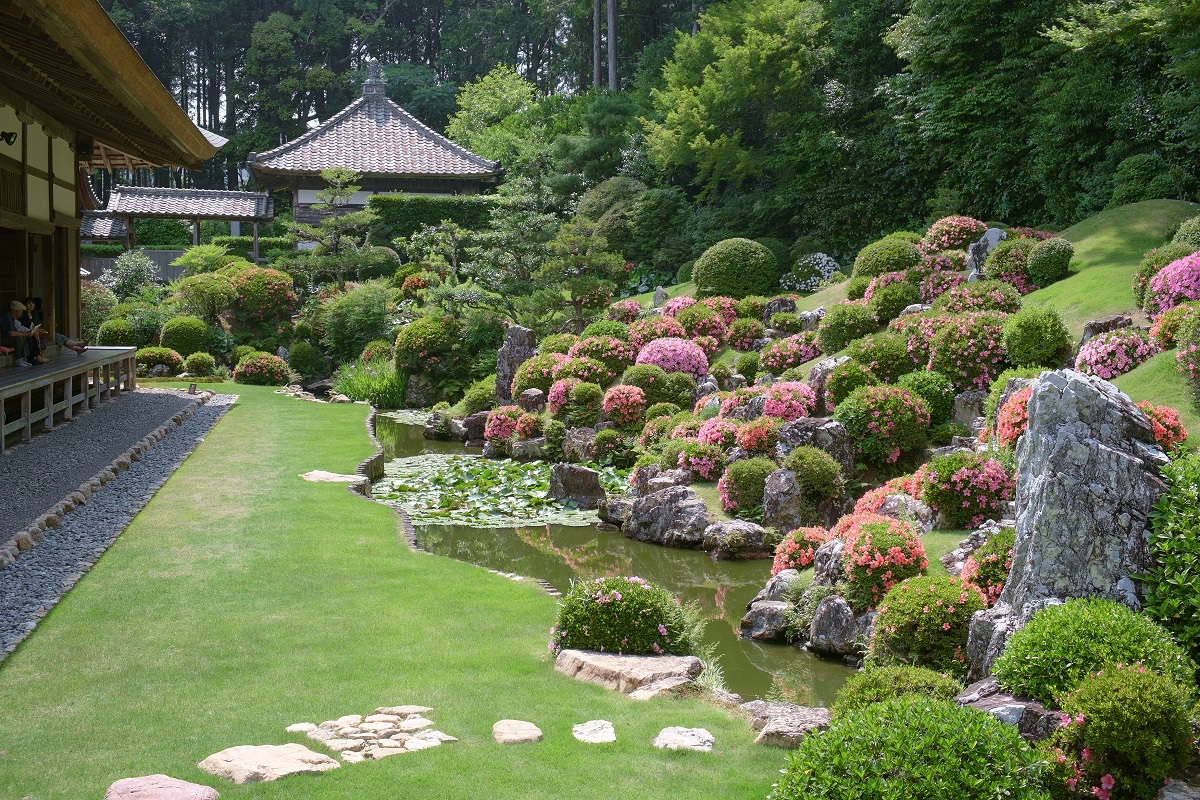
(558, 554)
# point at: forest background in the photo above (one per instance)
(821, 122)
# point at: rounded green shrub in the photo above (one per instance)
(1188, 234)
(913, 748)
(116, 333)
(678, 389)
(856, 288)
(613, 448)
(150, 357)
(883, 422)
(746, 365)
(1036, 337)
(264, 296)
(602, 327)
(751, 307)
(935, 389)
(621, 615)
(1061, 644)
(820, 479)
(375, 350)
(428, 340)
(842, 324)
(877, 684)
(200, 364)
(261, 369)
(787, 322)
(1049, 261)
(885, 354)
(744, 332)
(887, 302)
(481, 396)
(559, 343)
(240, 352)
(583, 409)
(1171, 596)
(536, 372)
(307, 360)
(700, 320)
(966, 488)
(844, 379)
(923, 621)
(889, 254)
(741, 486)
(652, 380)
(942, 435)
(735, 268)
(662, 410)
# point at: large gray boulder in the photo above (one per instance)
(818, 377)
(474, 426)
(826, 434)
(765, 621)
(828, 564)
(736, 539)
(652, 478)
(1087, 478)
(520, 344)
(777, 586)
(785, 508)
(625, 673)
(834, 629)
(909, 509)
(536, 449)
(674, 517)
(575, 484)
(577, 444)
(532, 400)
(615, 510)
(1031, 719)
(968, 406)
(778, 305)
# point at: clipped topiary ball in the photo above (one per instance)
(1050, 261)
(735, 268)
(603, 327)
(923, 621)
(741, 486)
(149, 357)
(621, 615)
(1036, 337)
(889, 254)
(883, 422)
(844, 379)
(885, 354)
(261, 369)
(842, 324)
(375, 350)
(185, 335)
(306, 359)
(935, 389)
(200, 364)
(116, 333)
(877, 684)
(887, 302)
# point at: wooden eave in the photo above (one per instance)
(66, 65)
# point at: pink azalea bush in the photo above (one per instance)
(798, 548)
(721, 431)
(783, 354)
(967, 488)
(1112, 354)
(708, 344)
(529, 425)
(743, 333)
(587, 370)
(644, 331)
(726, 308)
(687, 431)
(1013, 417)
(789, 400)
(536, 372)
(706, 460)
(624, 404)
(880, 552)
(560, 395)
(673, 306)
(608, 350)
(880, 281)
(946, 261)
(981, 296)
(883, 422)
(1169, 432)
(969, 350)
(702, 321)
(731, 401)
(923, 621)
(919, 330)
(1008, 262)
(1030, 233)
(624, 310)
(675, 355)
(1175, 283)
(501, 423)
(988, 567)
(952, 233)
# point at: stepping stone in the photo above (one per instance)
(596, 731)
(349, 719)
(159, 787)
(321, 735)
(353, 756)
(515, 731)
(383, 718)
(403, 711)
(321, 476)
(256, 763)
(788, 730)
(659, 688)
(338, 745)
(413, 724)
(377, 753)
(676, 738)
(301, 727)
(625, 673)
(420, 743)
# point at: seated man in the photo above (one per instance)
(20, 332)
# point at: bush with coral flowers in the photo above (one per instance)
(707, 461)
(880, 552)
(721, 431)
(880, 281)
(560, 395)
(614, 353)
(783, 354)
(501, 423)
(952, 233)
(675, 355)
(1169, 433)
(673, 306)
(1013, 417)
(1114, 353)
(529, 425)
(758, 436)
(536, 373)
(789, 400)
(919, 330)
(969, 350)
(644, 331)
(883, 422)
(744, 332)
(1164, 331)
(967, 488)
(980, 296)
(885, 354)
(262, 369)
(988, 567)
(624, 404)
(726, 308)
(698, 320)
(798, 548)
(923, 621)
(625, 311)
(741, 486)
(1175, 283)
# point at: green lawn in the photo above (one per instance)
(1158, 380)
(243, 599)
(1108, 249)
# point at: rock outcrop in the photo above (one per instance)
(576, 484)
(834, 629)
(1096, 327)
(736, 540)
(765, 621)
(825, 434)
(158, 787)
(625, 673)
(520, 344)
(1031, 719)
(675, 517)
(818, 377)
(828, 565)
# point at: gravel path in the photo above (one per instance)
(39, 473)
(31, 585)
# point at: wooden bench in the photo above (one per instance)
(91, 378)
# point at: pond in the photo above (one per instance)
(558, 554)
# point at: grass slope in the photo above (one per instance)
(243, 599)
(1108, 249)
(1158, 380)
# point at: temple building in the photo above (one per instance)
(391, 149)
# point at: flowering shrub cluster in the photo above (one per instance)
(789, 400)
(673, 306)
(758, 436)
(720, 431)
(536, 373)
(1013, 417)
(560, 395)
(699, 320)
(873, 500)
(588, 370)
(261, 369)
(1169, 432)
(584, 406)
(1008, 261)
(885, 354)
(1176, 283)
(644, 331)
(1111, 354)
(529, 425)
(1152, 263)
(675, 355)
(726, 307)
(621, 615)
(706, 460)
(1164, 331)
(731, 401)
(798, 548)
(936, 284)
(148, 357)
(501, 423)
(844, 323)
(923, 621)
(880, 281)
(883, 422)
(809, 273)
(969, 350)
(967, 488)
(414, 284)
(783, 354)
(741, 485)
(624, 404)
(687, 431)
(919, 330)
(613, 353)
(880, 552)
(743, 332)
(707, 344)
(988, 567)
(980, 296)
(952, 233)
(264, 296)
(1030, 233)
(624, 310)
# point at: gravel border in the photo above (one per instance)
(40, 564)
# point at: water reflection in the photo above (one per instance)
(559, 554)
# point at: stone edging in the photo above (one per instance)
(24, 539)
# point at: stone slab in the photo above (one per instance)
(676, 738)
(515, 731)
(159, 787)
(257, 763)
(625, 673)
(596, 731)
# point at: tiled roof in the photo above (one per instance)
(374, 136)
(179, 203)
(98, 225)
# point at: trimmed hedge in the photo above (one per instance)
(243, 245)
(735, 268)
(400, 215)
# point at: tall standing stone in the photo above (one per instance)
(520, 344)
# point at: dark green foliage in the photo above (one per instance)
(306, 360)
(856, 287)
(923, 621)
(354, 318)
(606, 327)
(621, 615)
(200, 364)
(116, 333)
(402, 215)
(652, 381)
(735, 268)
(890, 254)
(885, 354)
(1036, 337)
(743, 484)
(1171, 596)
(185, 335)
(481, 396)
(750, 307)
(935, 389)
(1061, 644)
(843, 324)
(746, 365)
(787, 322)
(240, 352)
(375, 350)
(1049, 261)
(100, 250)
(162, 234)
(1188, 234)
(913, 748)
(1146, 176)
(684, 274)
(557, 343)
(242, 246)
(819, 477)
(583, 409)
(942, 435)
(662, 410)
(887, 303)
(847, 377)
(877, 684)
(678, 389)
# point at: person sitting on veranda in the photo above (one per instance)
(19, 332)
(34, 306)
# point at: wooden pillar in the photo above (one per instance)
(26, 413)
(131, 373)
(255, 251)
(195, 231)
(129, 237)
(48, 399)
